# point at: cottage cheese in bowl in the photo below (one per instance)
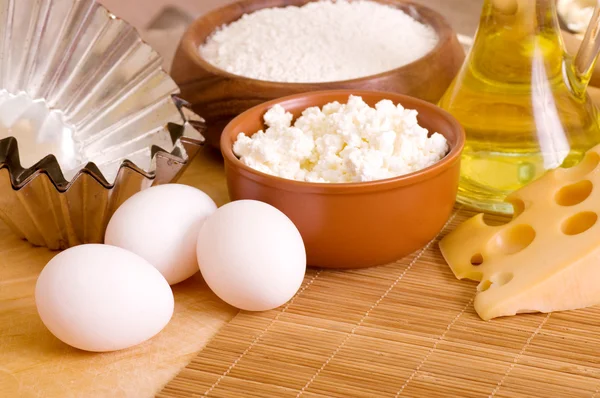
(341, 143)
(322, 41)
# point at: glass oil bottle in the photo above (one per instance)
(522, 101)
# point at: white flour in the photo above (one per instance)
(319, 42)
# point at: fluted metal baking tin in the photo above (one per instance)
(94, 92)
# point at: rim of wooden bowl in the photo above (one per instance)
(340, 188)
(191, 42)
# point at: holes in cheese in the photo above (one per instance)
(477, 259)
(494, 220)
(502, 278)
(518, 206)
(497, 280)
(582, 169)
(579, 223)
(574, 194)
(512, 239)
(484, 285)
(546, 258)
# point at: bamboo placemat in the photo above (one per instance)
(407, 329)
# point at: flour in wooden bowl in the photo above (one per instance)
(321, 41)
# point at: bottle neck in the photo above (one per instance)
(524, 18)
(513, 34)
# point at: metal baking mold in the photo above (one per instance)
(87, 118)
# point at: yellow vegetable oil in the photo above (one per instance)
(521, 100)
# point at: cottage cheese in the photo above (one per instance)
(341, 143)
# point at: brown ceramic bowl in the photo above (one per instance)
(220, 96)
(354, 225)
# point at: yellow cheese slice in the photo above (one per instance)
(547, 258)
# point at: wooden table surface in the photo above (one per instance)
(35, 364)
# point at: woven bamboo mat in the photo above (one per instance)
(407, 329)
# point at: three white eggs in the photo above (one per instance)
(114, 296)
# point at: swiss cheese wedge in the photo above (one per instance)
(547, 258)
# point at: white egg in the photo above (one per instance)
(161, 224)
(251, 255)
(102, 298)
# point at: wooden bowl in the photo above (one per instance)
(220, 96)
(354, 225)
